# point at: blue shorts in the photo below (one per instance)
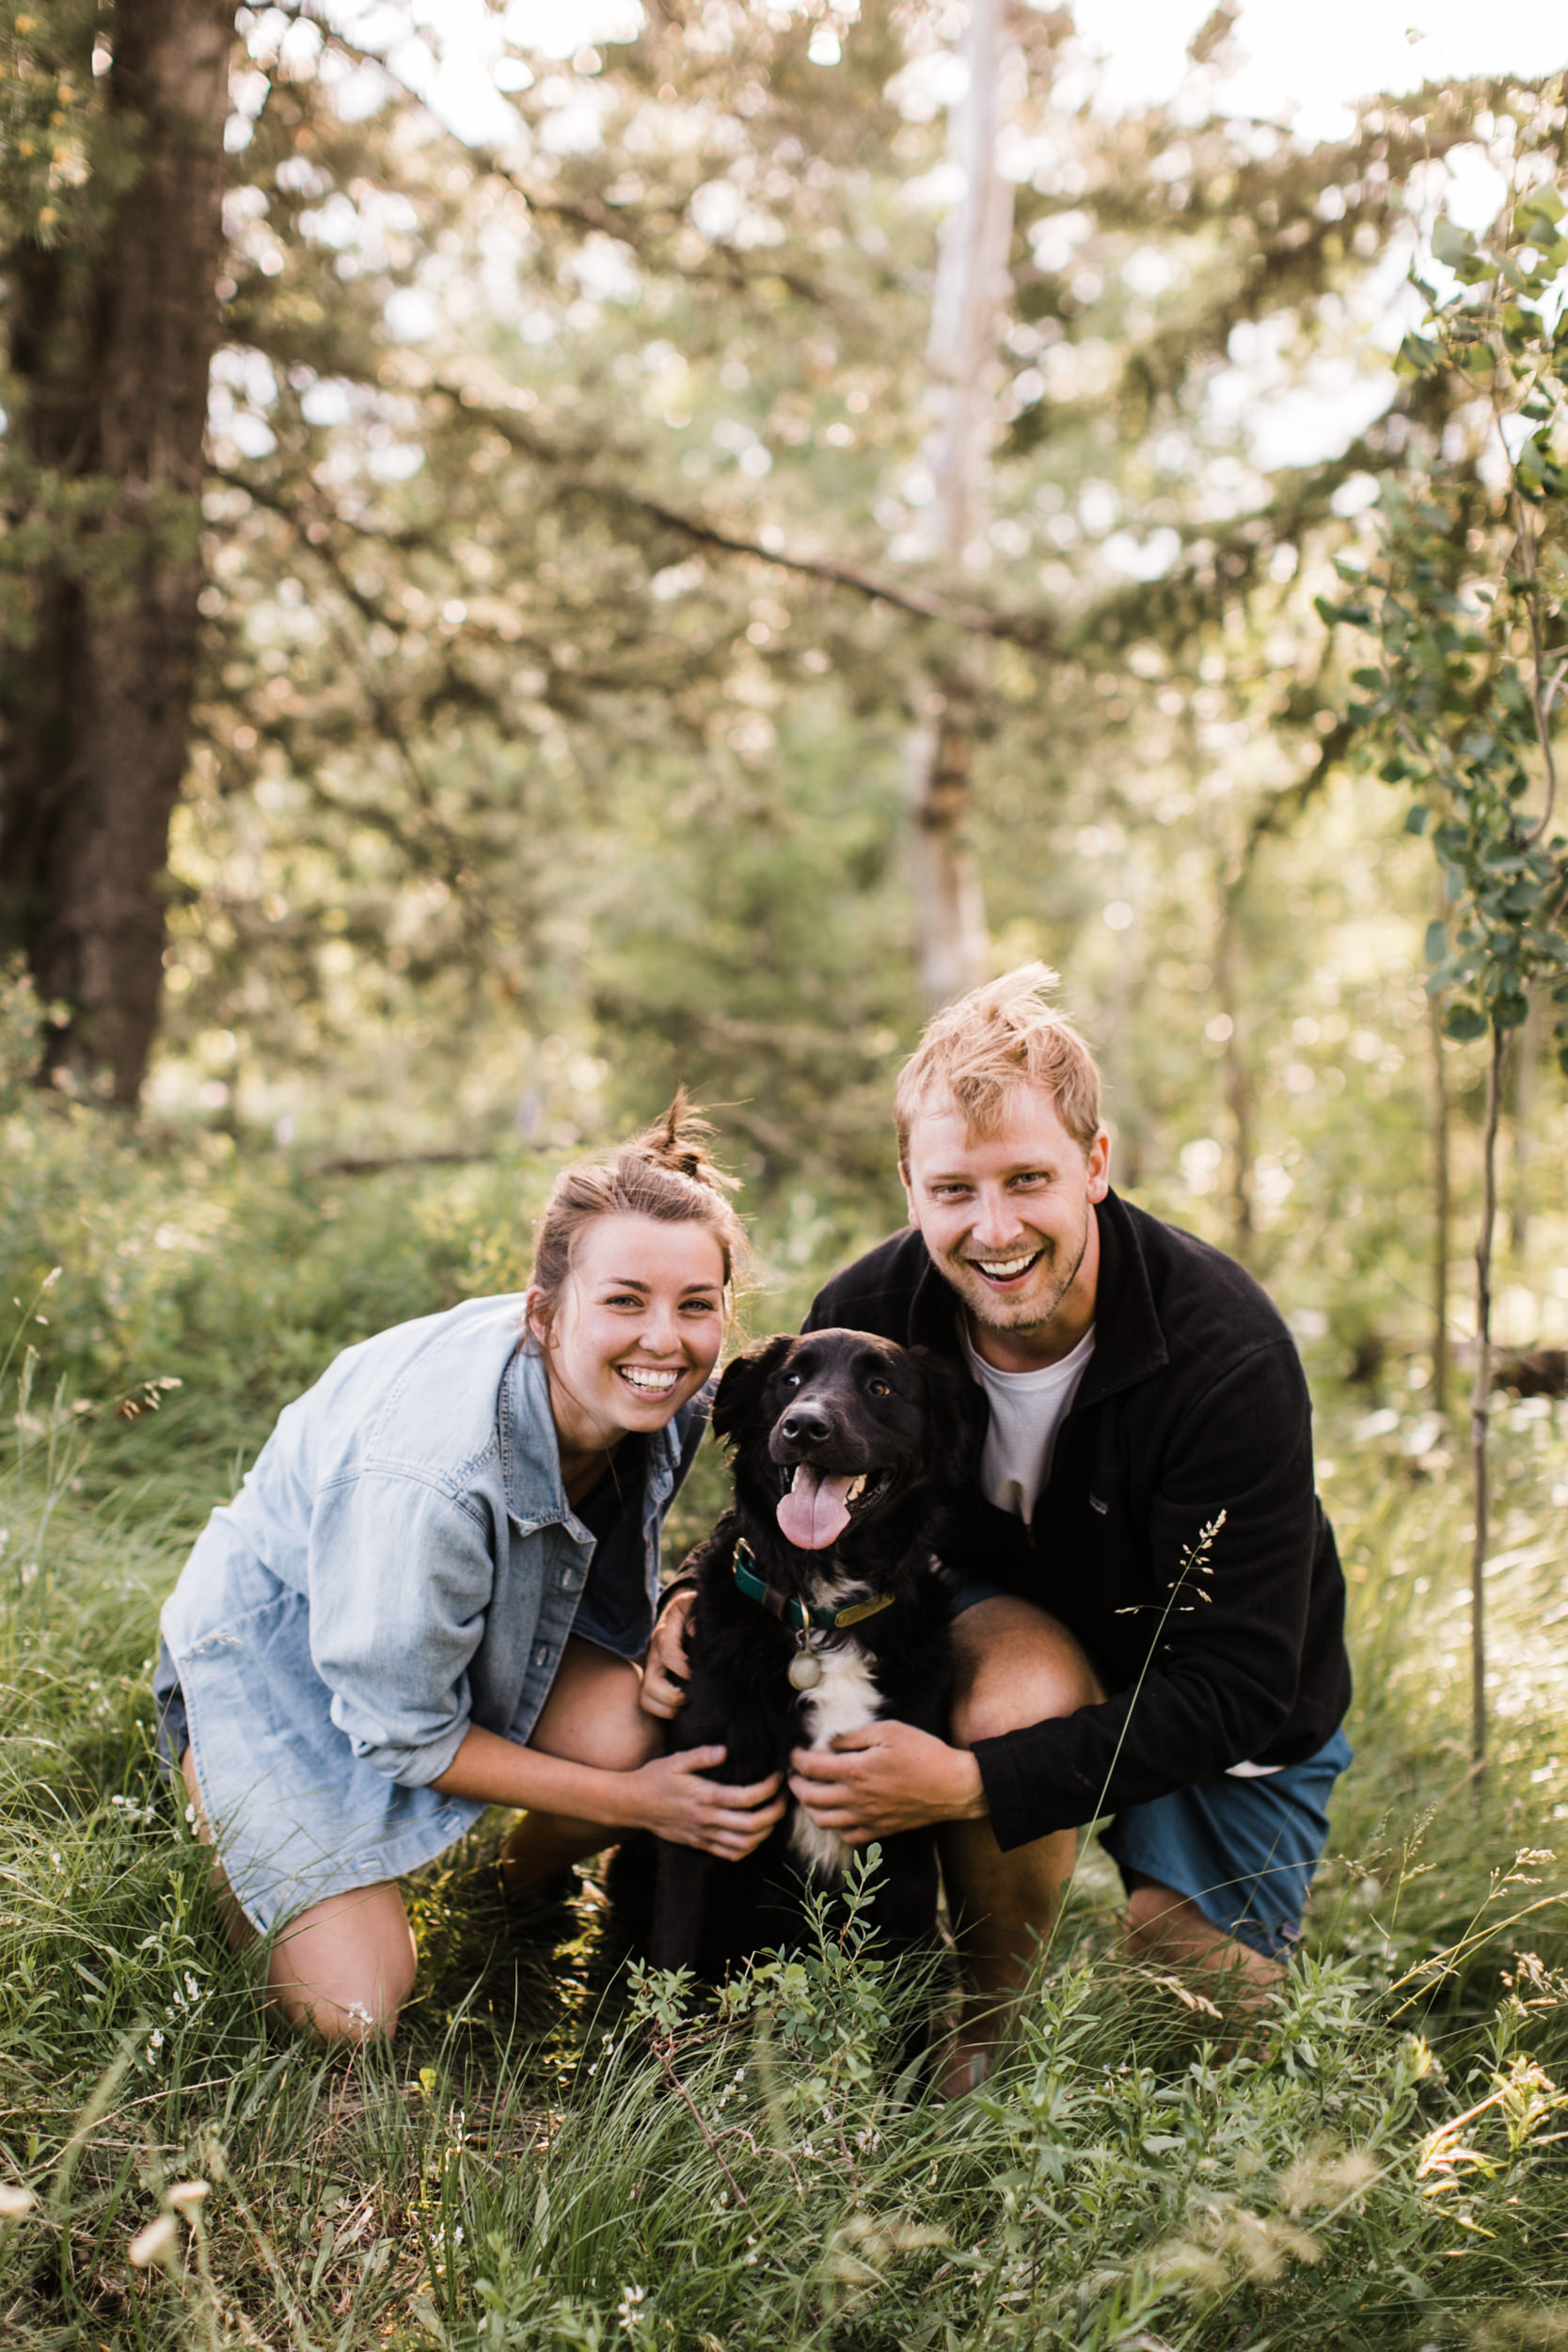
(1244, 1851)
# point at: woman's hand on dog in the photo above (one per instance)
(663, 1688)
(882, 1778)
(670, 1797)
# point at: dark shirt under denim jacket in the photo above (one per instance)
(400, 1562)
(1195, 1403)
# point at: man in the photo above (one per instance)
(1150, 1617)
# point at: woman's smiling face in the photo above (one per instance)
(637, 1328)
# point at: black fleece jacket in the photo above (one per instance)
(1193, 1403)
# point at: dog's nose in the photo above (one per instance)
(806, 1424)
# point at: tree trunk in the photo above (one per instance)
(1235, 1078)
(950, 903)
(113, 353)
(961, 354)
(1525, 1075)
(1481, 1394)
(1442, 1210)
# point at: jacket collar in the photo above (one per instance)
(531, 1457)
(1128, 1344)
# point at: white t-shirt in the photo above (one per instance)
(1026, 1410)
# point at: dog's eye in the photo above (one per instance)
(878, 1388)
(792, 1379)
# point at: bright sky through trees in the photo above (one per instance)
(1306, 62)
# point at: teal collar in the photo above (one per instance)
(798, 1613)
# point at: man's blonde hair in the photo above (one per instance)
(1004, 1034)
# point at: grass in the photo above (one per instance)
(558, 2154)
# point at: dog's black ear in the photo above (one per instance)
(744, 1380)
(957, 1416)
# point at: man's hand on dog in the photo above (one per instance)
(885, 1778)
(663, 1688)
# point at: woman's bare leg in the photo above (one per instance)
(339, 1970)
(592, 1716)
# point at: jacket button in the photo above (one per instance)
(569, 1579)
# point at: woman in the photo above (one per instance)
(435, 1588)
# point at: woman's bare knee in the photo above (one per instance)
(593, 1713)
(343, 1969)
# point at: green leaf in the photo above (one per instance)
(1437, 942)
(1464, 1023)
(1415, 818)
(1416, 356)
(1537, 212)
(1452, 244)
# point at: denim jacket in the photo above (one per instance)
(415, 1503)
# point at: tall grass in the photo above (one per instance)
(558, 2152)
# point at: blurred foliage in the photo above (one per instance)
(1467, 606)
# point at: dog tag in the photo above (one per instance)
(805, 1672)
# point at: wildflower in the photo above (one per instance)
(156, 2043)
(186, 2197)
(628, 2311)
(15, 2200)
(155, 2243)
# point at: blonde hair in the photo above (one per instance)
(1004, 1034)
(666, 1173)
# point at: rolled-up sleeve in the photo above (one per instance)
(401, 1576)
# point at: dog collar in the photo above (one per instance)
(798, 1613)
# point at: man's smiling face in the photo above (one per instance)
(1008, 1220)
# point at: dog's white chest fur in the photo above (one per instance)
(845, 1698)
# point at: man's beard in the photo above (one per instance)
(1036, 1306)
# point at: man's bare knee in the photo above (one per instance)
(1016, 1666)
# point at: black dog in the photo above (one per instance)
(820, 1607)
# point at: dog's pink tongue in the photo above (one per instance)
(815, 1514)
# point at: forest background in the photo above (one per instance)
(546, 669)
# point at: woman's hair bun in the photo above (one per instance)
(679, 1142)
(665, 1174)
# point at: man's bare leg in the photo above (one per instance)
(1168, 1928)
(1016, 1666)
(592, 1716)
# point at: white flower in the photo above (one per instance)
(155, 2243)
